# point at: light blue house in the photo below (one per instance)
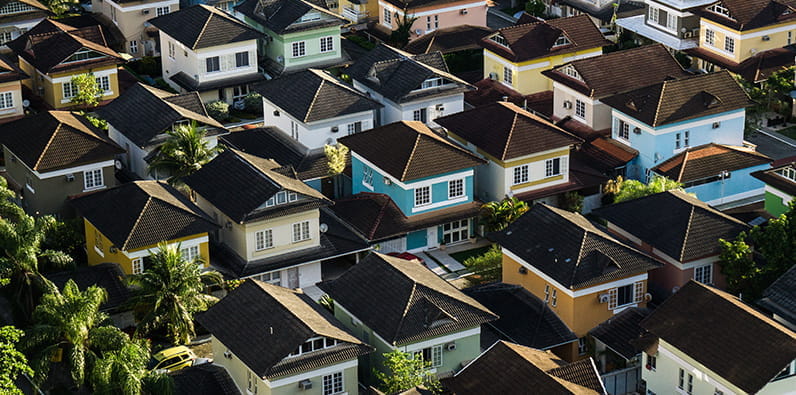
(413, 189)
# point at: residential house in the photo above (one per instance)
(431, 15)
(507, 368)
(11, 78)
(780, 187)
(108, 276)
(779, 299)
(665, 118)
(141, 136)
(395, 304)
(411, 87)
(739, 350)
(132, 17)
(719, 175)
(273, 227)
(19, 16)
(204, 379)
(672, 23)
(616, 348)
(603, 13)
(53, 155)
(299, 34)
(80, 50)
(125, 225)
(429, 179)
(585, 274)
(689, 248)
(517, 55)
(208, 51)
(449, 40)
(274, 340)
(316, 108)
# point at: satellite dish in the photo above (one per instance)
(323, 228)
(118, 164)
(26, 103)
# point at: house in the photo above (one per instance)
(132, 17)
(11, 78)
(125, 224)
(517, 55)
(316, 108)
(108, 276)
(299, 34)
(615, 343)
(431, 15)
(53, 155)
(672, 23)
(81, 50)
(276, 340)
(719, 175)
(408, 166)
(507, 368)
(411, 87)
(602, 12)
(739, 350)
(780, 187)
(689, 248)
(141, 136)
(395, 304)
(208, 51)
(272, 224)
(779, 299)
(204, 379)
(585, 274)
(449, 40)
(665, 118)
(19, 16)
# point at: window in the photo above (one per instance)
(133, 46)
(422, 196)
(654, 14)
(97, 240)
(355, 127)
(789, 173)
(92, 179)
(583, 346)
(652, 362)
(554, 299)
(580, 109)
(15, 7)
(431, 83)
(552, 167)
(314, 344)
(327, 44)
(624, 130)
(281, 197)
(113, 15)
(241, 59)
(69, 90)
(301, 231)
(263, 239)
(546, 293)
(671, 21)
(561, 40)
(251, 382)
(83, 55)
(5, 37)
(387, 17)
(333, 383)
(6, 100)
(190, 254)
(677, 141)
(621, 296)
(455, 231)
(687, 138)
(419, 115)
(239, 92)
(271, 278)
(507, 76)
(138, 266)
(729, 44)
(790, 38)
(570, 71)
(299, 49)
(500, 40)
(162, 10)
(719, 9)
(104, 83)
(367, 176)
(455, 188)
(704, 274)
(294, 130)
(681, 379)
(433, 354)
(310, 16)
(212, 64)
(171, 49)
(520, 174)
(710, 37)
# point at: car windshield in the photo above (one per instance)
(152, 363)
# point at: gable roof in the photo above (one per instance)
(507, 368)
(537, 40)
(751, 14)
(682, 99)
(655, 60)
(108, 276)
(261, 324)
(725, 335)
(696, 163)
(780, 296)
(693, 227)
(413, 303)
(571, 250)
(55, 140)
(619, 331)
(204, 379)
(203, 26)
(607, 10)
(142, 213)
(314, 95)
(449, 39)
(512, 131)
(772, 178)
(9, 71)
(282, 16)
(409, 150)
(163, 109)
(239, 184)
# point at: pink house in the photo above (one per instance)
(432, 14)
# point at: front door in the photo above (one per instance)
(432, 240)
(293, 277)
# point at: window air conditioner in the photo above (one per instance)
(70, 177)
(450, 346)
(305, 384)
(145, 12)
(604, 298)
(766, 38)
(463, 12)
(440, 107)
(493, 76)
(567, 104)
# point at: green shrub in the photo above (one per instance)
(362, 42)
(253, 103)
(218, 110)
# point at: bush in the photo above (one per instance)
(362, 42)
(487, 266)
(253, 103)
(98, 123)
(218, 110)
(148, 65)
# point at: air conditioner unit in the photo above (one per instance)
(637, 130)
(440, 107)
(335, 129)
(523, 270)
(647, 297)
(145, 12)
(688, 34)
(604, 298)
(567, 104)
(493, 76)
(113, 249)
(387, 181)
(276, 113)
(70, 177)
(227, 354)
(766, 38)
(450, 346)
(305, 385)
(418, 32)
(463, 12)
(716, 125)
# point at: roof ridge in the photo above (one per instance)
(314, 99)
(511, 135)
(137, 220)
(411, 156)
(687, 232)
(379, 218)
(408, 304)
(660, 102)
(49, 142)
(202, 32)
(686, 155)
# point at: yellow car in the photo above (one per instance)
(171, 359)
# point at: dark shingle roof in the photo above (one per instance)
(696, 163)
(507, 368)
(106, 275)
(262, 324)
(756, 68)
(281, 16)
(409, 150)
(752, 14)
(413, 302)
(692, 227)
(770, 177)
(239, 184)
(513, 132)
(163, 109)
(205, 379)
(9, 71)
(55, 140)
(571, 250)
(189, 83)
(314, 95)
(608, 10)
(725, 335)
(618, 331)
(448, 40)
(202, 26)
(142, 213)
(524, 318)
(780, 297)
(536, 40)
(682, 99)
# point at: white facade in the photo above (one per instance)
(433, 108)
(594, 114)
(131, 19)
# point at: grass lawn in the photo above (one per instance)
(463, 255)
(790, 131)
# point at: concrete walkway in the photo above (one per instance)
(446, 260)
(431, 264)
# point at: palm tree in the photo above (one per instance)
(498, 215)
(124, 371)
(185, 151)
(400, 36)
(169, 292)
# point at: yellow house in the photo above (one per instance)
(125, 224)
(11, 78)
(517, 55)
(80, 50)
(585, 275)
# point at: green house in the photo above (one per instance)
(780, 187)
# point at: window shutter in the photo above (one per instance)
(612, 298)
(639, 291)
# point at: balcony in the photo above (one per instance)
(355, 15)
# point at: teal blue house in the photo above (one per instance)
(412, 189)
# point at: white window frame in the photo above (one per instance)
(687, 138)
(333, 383)
(216, 60)
(623, 131)
(550, 167)
(242, 56)
(104, 83)
(301, 231)
(435, 352)
(456, 188)
(134, 46)
(508, 77)
(419, 115)
(160, 11)
(171, 50)
(452, 230)
(367, 177)
(138, 265)
(92, 181)
(677, 143)
(190, 254)
(298, 49)
(263, 239)
(580, 109)
(546, 293)
(423, 196)
(69, 90)
(521, 175)
(654, 15)
(720, 9)
(729, 44)
(583, 345)
(6, 100)
(327, 44)
(704, 274)
(274, 278)
(710, 37)
(388, 17)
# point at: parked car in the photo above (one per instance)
(408, 256)
(171, 359)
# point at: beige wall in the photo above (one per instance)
(598, 115)
(130, 19)
(17, 110)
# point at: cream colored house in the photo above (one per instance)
(11, 78)
(131, 17)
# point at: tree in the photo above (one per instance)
(772, 95)
(12, 361)
(487, 266)
(536, 8)
(405, 372)
(336, 158)
(60, 7)
(400, 36)
(498, 215)
(124, 371)
(87, 91)
(185, 151)
(168, 294)
(633, 189)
